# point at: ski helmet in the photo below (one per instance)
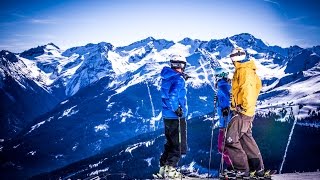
(220, 73)
(177, 61)
(238, 54)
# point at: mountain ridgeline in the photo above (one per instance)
(62, 106)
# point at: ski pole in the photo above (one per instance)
(214, 108)
(180, 142)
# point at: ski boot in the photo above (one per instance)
(242, 175)
(261, 174)
(267, 174)
(226, 174)
(160, 174)
(171, 173)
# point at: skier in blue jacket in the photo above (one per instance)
(174, 110)
(222, 103)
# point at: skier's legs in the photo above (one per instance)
(174, 153)
(221, 144)
(233, 146)
(171, 154)
(251, 148)
(168, 144)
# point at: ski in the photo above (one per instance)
(267, 176)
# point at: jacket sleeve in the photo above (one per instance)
(235, 90)
(247, 90)
(174, 94)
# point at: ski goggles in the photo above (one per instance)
(237, 54)
(223, 74)
(177, 64)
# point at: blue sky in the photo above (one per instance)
(26, 24)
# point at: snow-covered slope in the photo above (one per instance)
(22, 94)
(138, 157)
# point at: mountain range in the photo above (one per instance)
(62, 106)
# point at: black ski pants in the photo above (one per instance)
(171, 154)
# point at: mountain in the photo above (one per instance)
(19, 87)
(106, 95)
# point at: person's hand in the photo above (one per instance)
(179, 112)
(186, 76)
(225, 111)
(240, 109)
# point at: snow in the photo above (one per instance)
(14, 147)
(125, 115)
(98, 171)
(95, 165)
(135, 146)
(58, 156)
(148, 160)
(298, 176)
(152, 107)
(251, 51)
(289, 140)
(63, 102)
(295, 93)
(110, 104)
(75, 146)
(69, 112)
(36, 126)
(154, 119)
(101, 127)
(72, 71)
(203, 98)
(32, 153)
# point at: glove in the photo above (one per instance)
(186, 76)
(179, 112)
(225, 111)
(240, 109)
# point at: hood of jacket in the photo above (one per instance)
(168, 72)
(249, 64)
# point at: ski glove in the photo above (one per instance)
(225, 111)
(179, 112)
(186, 76)
(240, 109)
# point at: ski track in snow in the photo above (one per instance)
(135, 146)
(288, 143)
(98, 171)
(152, 107)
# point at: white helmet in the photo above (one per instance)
(238, 54)
(220, 73)
(177, 61)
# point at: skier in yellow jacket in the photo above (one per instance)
(240, 144)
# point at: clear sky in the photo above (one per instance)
(29, 23)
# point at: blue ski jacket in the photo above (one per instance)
(173, 93)
(223, 101)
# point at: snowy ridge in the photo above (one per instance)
(81, 66)
(99, 83)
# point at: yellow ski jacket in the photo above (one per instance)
(246, 86)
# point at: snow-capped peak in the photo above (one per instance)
(8, 56)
